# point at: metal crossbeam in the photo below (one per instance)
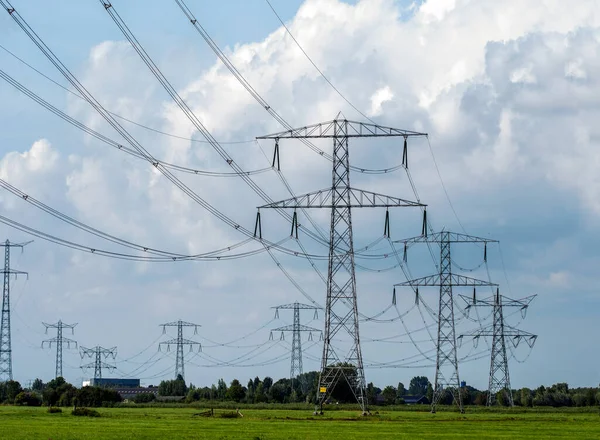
(451, 279)
(453, 237)
(353, 129)
(357, 198)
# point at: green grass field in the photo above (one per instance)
(185, 423)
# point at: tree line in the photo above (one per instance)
(59, 392)
(303, 389)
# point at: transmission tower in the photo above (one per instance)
(296, 329)
(5, 341)
(341, 310)
(59, 340)
(179, 343)
(499, 380)
(446, 365)
(98, 353)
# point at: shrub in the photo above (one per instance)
(229, 415)
(28, 399)
(87, 412)
(54, 410)
(144, 398)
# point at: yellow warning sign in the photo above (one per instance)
(322, 390)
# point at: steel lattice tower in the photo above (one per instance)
(97, 353)
(296, 329)
(499, 380)
(5, 339)
(59, 340)
(446, 367)
(341, 310)
(179, 343)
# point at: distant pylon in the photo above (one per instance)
(296, 329)
(446, 368)
(179, 343)
(59, 340)
(5, 340)
(499, 379)
(97, 353)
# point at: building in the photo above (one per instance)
(112, 383)
(130, 393)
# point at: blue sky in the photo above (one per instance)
(509, 101)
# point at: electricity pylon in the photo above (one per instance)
(59, 340)
(499, 380)
(97, 353)
(179, 343)
(446, 365)
(296, 329)
(5, 340)
(341, 309)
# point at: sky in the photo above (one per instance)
(506, 92)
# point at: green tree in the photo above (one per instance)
(401, 390)
(418, 386)
(38, 385)
(236, 391)
(389, 394)
(221, 389)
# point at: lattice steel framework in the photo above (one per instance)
(5, 338)
(98, 353)
(59, 340)
(341, 309)
(296, 329)
(446, 367)
(179, 343)
(499, 379)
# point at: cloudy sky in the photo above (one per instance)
(506, 92)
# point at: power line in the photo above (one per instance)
(115, 114)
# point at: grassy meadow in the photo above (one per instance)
(269, 424)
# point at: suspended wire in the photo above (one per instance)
(84, 227)
(130, 139)
(229, 343)
(188, 112)
(437, 169)
(113, 143)
(119, 255)
(315, 66)
(261, 101)
(115, 114)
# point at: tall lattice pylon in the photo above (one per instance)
(5, 339)
(59, 340)
(297, 329)
(343, 362)
(98, 353)
(499, 379)
(446, 366)
(179, 343)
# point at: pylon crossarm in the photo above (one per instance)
(357, 198)
(299, 305)
(456, 281)
(290, 328)
(183, 324)
(453, 237)
(354, 129)
(182, 341)
(490, 302)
